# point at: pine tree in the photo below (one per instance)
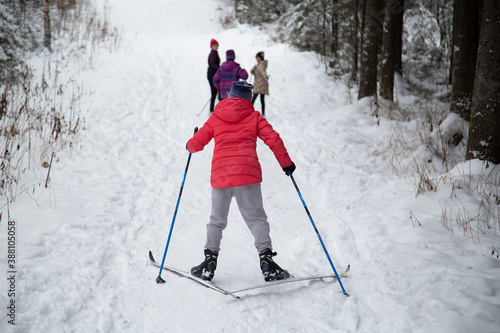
(484, 128)
(372, 36)
(398, 62)
(47, 36)
(393, 8)
(465, 44)
(354, 72)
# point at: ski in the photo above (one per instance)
(232, 293)
(188, 275)
(293, 279)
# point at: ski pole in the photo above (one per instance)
(159, 278)
(203, 108)
(317, 233)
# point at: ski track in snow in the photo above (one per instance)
(116, 197)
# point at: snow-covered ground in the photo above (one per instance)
(82, 245)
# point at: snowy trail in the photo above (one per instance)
(116, 197)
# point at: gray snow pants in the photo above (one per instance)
(249, 200)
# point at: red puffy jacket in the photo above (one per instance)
(235, 126)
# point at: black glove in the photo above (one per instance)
(289, 169)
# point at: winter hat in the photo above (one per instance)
(241, 89)
(230, 55)
(213, 41)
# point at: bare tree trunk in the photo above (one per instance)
(465, 44)
(323, 29)
(335, 35)
(354, 74)
(372, 36)
(47, 36)
(388, 53)
(398, 44)
(484, 128)
(363, 23)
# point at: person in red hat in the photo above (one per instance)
(213, 66)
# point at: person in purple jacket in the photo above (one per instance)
(213, 66)
(227, 73)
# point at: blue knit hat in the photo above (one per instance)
(241, 89)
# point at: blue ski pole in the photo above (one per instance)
(159, 279)
(317, 233)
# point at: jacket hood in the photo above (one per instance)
(233, 110)
(229, 65)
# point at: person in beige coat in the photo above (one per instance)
(261, 83)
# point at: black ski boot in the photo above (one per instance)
(206, 269)
(271, 270)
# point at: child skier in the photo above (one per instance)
(227, 73)
(261, 83)
(236, 172)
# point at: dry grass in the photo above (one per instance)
(423, 157)
(40, 114)
(481, 213)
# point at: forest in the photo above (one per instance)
(446, 52)
(444, 49)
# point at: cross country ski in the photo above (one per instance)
(182, 273)
(232, 293)
(293, 279)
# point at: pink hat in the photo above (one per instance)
(213, 41)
